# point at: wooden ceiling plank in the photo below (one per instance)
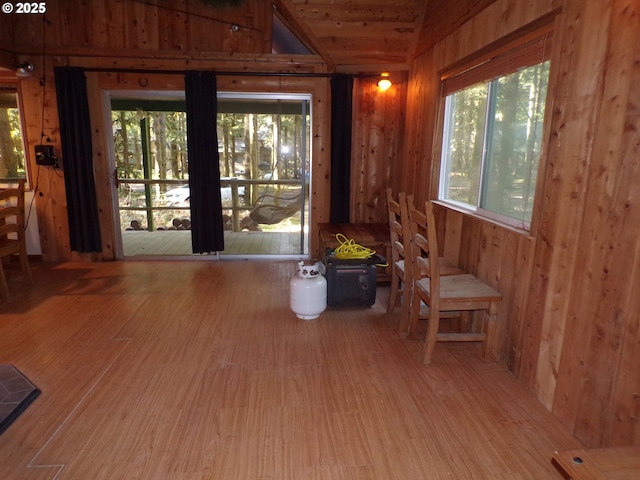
(366, 30)
(393, 14)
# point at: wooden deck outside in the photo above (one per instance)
(178, 243)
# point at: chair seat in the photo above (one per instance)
(9, 246)
(399, 265)
(461, 291)
(447, 293)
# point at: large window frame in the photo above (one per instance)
(168, 196)
(482, 73)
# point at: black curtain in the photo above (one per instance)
(77, 155)
(341, 98)
(207, 233)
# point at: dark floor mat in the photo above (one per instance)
(16, 394)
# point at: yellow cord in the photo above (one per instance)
(349, 249)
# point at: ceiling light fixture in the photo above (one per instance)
(384, 83)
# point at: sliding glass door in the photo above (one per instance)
(264, 145)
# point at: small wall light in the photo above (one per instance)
(384, 83)
(24, 69)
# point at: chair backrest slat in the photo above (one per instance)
(12, 232)
(425, 246)
(12, 213)
(398, 232)
(432, 240)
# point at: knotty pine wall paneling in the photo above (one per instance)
(556, 278)
(569, 325)
(416, 159)
(479, 242)
(96, 26)
(40, 120)
(177, 36)
(378, 123)
(598, 379)
(103, 167)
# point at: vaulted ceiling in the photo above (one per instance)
(352, 35)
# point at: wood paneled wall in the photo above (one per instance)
(168, 36)
(377, 138)
(569, 326)
(118, 27)
(177, 36)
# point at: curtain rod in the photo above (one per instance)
(228, 73)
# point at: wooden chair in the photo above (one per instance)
(12, 232)
(416, 312)
(462, 292)
(397, 248)
(401, 284)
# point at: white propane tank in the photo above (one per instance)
(308, 291)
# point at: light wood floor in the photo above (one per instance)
(199, 371)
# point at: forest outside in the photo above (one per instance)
(264, 160)
(12, 158)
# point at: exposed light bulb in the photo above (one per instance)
(384, 83)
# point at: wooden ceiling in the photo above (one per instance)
(353, 35)
(350, 35)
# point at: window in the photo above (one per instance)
(492, 132)
(264, 145)
(264, 142)
(12, 159)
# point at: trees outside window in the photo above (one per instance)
(492, 134)
(263, 142)
(12, 158)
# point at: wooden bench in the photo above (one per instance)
(617, 463)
